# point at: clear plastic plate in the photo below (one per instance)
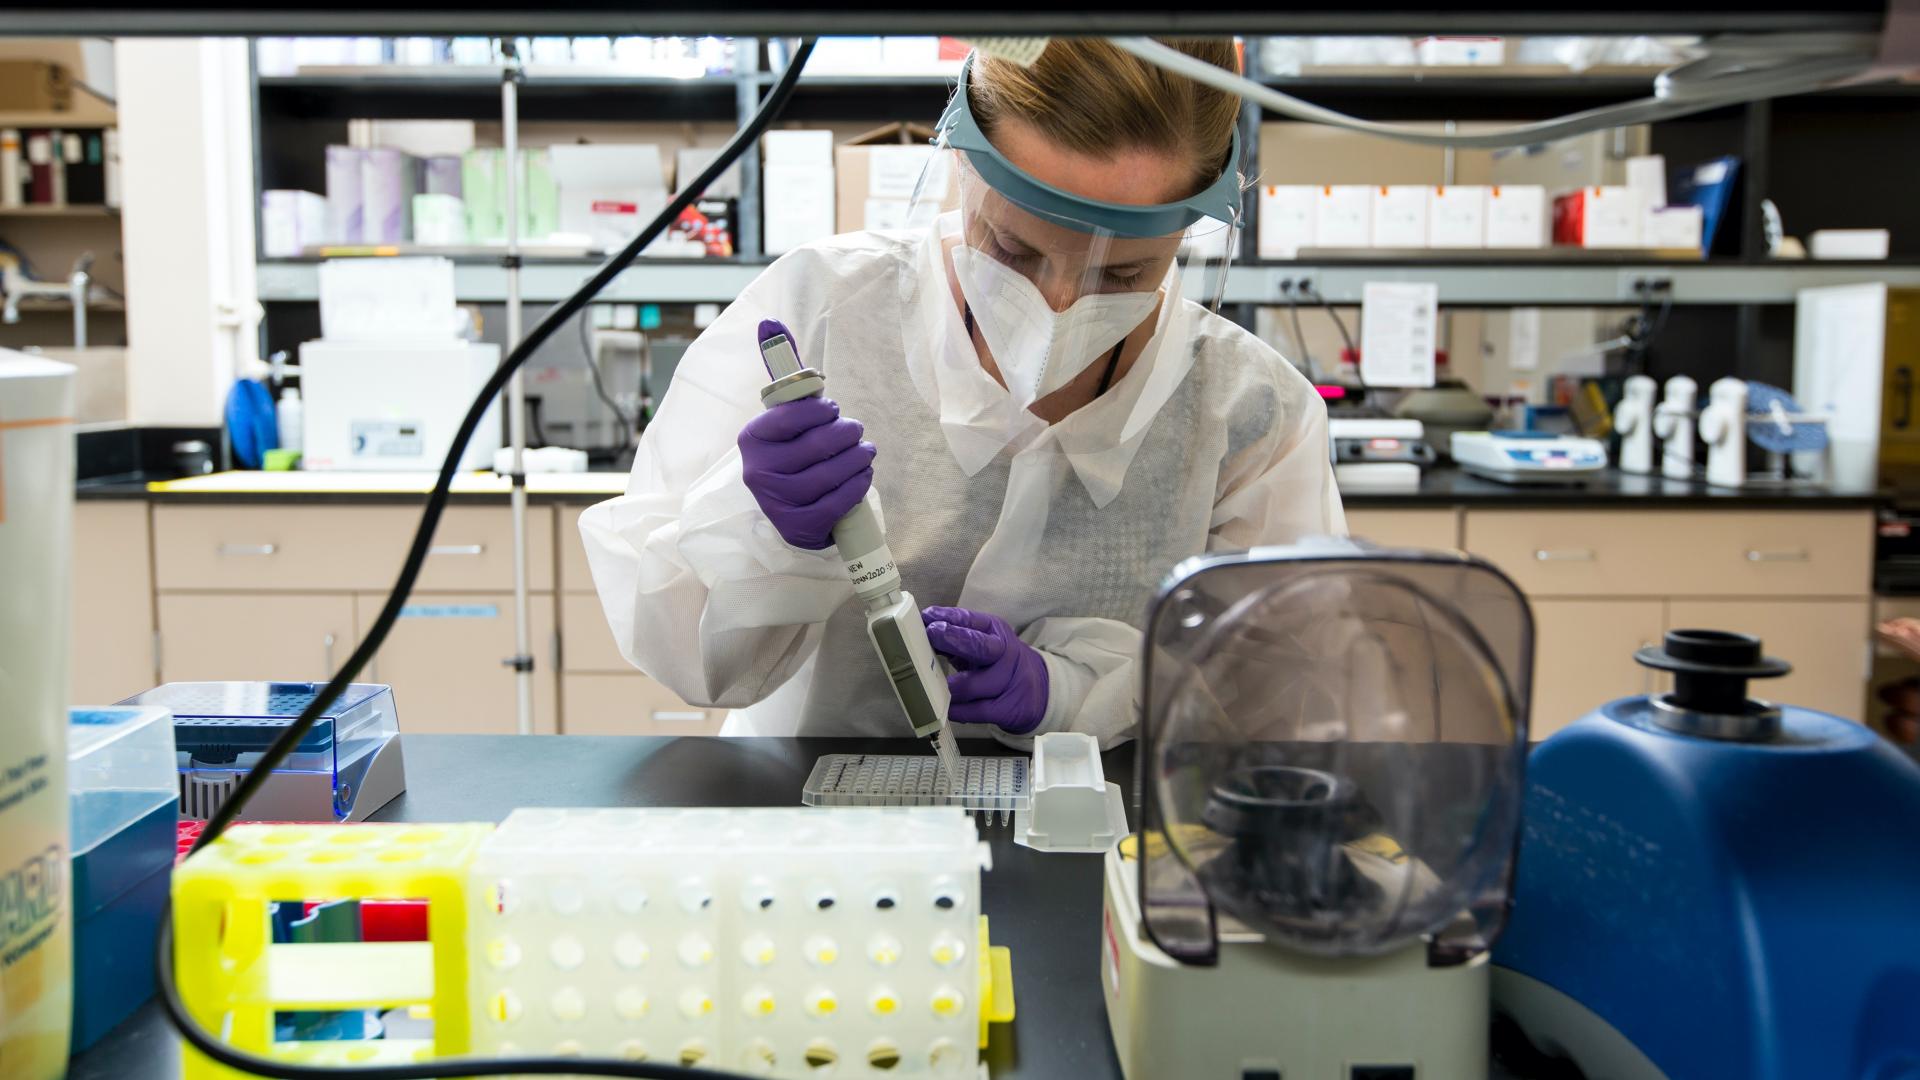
(989, 785)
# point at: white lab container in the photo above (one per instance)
(1672, 228)
(388, 300)
(291, 222)
(1286, 219)
(1517, 216)
(1343, 216)
(394, 408)
(1400, 216)
(1457, 217)
(784, 942)
(1849, 243)
(36, 534)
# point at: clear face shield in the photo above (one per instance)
(1333, 752)
(1064, 290)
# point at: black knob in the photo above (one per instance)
(1711, 668)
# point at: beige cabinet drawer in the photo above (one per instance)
(342, 548)
(443, 660)
(1677, 552)
(586, 642)
(112, 624)
(575, 575)
(1828, 642)
(1583, 656)
(257, 636)
(630, 705)
(1432, 529)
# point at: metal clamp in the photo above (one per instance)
(1794, 555)
(1568, 555)
(457, 549)
(248, 549)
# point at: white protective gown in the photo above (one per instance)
(1211, 441)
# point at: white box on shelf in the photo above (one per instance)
(1673, 228)
(1457, 217)
(1286, 219)
(1517, 216)
(798, 149)
(391, 178)
(799, 204)
(1461, 51)
(1611, 217)
(1343, 216)
(291, 222)
(607, 191)
(1400, 215)
(1849, 243)
(380, 300)
(346, 195)
(439, 220)
(1648, 176)
(384, 406)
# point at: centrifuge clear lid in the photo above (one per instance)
(1333, 743)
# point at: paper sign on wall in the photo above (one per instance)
(1397, 332)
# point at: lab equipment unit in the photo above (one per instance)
(1633, 422)
(894, 625)
(394, 407)
(1779, 939)
(783, 942)
(1529, 457)
(348, 765)
(36, 529)
(123, 791)
(1723, 427)
(1332, 745)
(1673, 421)
(1378, 453)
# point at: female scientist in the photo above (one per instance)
(1031, 386)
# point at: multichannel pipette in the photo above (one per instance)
(893, 618)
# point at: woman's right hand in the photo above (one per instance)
(806, 466)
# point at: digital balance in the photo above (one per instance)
(1529, 457)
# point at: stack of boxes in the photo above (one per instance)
(1399, 217)
(797, 188)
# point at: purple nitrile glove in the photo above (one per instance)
(1002, 680)
(806, 466)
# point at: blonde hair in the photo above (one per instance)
(1090, 97)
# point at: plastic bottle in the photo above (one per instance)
(36, 532)
(291, 417)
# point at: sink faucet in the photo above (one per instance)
(14, 284)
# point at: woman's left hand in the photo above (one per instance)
(1002, 680)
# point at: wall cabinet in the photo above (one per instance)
(444, 660)
(245, 636)
(1583, 656)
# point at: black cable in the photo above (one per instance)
(1299, 336)
(1341, 325)
(436, 504)
(627, 423)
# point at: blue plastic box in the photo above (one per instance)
(124, 793)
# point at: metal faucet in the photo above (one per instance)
(15, 284)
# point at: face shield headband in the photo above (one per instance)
(1220, 201)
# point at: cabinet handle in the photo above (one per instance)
(457, 549)
(326, 655)
(249, 549)
(1566, 555)
(1794, 555)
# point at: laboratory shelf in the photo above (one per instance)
(1575, 281)
(474, 94)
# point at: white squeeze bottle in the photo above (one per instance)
(291, 418)
(36, 526)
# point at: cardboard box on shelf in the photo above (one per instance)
(877, 172)
(35, 86)
(439, 220)
(1457, 217)
(1599, 217)
(1400, 215)
(1343, 216)
(1517, 216)
(391, 178)
(1286, 220)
